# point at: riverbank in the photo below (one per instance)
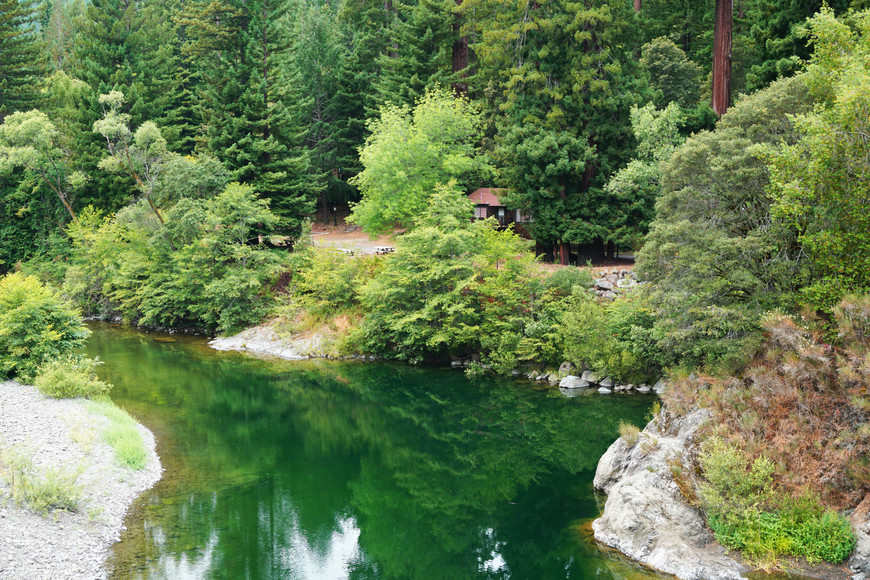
(62, 434)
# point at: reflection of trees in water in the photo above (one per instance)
(440, 474)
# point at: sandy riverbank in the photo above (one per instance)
(63, 434)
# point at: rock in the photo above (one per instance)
(566, 369)
(553, 379)
(543, 376)
(647, 518)
(456, 364)
(515, 373)
(589, 377)
(604, 390)
(604, 284)
(660, 386)
(626, 283)
(573, 382)
(532, 375)
(609, 295)
(859, 563)
(606, 383)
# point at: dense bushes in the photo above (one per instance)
(36, 326)
(746, 513)
(70, 377)
(202, 267)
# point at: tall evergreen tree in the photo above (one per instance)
(21, 63)
(559, 70)
(422, 56)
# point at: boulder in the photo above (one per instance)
(573, 382)
(604, 390)
(589, 377)
(859, 563)
(606, 383)
(660, 386)
(566, 369)
(646, 516)
(604, 284)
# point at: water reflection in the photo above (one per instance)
(329, 470)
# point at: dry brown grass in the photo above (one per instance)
(801, 404)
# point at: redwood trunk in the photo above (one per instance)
(460, 54)
(637, 5)
(722, 56)
(563, 253)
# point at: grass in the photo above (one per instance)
(629, 433)
(40, 489)
(122, 434)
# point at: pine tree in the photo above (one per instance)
(560, 73)
(422, 54)
(21, 63)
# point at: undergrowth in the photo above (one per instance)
(788, 446)
(40, 489)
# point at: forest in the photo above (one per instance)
(161, 162)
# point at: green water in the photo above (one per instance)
(334, 470)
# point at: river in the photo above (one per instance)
(331, 470)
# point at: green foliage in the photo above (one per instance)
(70, 377)
(714, 256)
(636, 186)
(409, 152)
(21, 60)
(40, 489)
(329, 281)
(819, 183)
(122, 434)
(203, 267)
(36, 326)
(675, 78)
(451, 283)
(747, 514)
(611, 338)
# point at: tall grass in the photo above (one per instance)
(122, 434)
(40, 489)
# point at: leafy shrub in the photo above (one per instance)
(563, 280)
(36, 326)
(330, 280)
(745, 512)
(70, 377)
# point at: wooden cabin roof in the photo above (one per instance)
(487, 196)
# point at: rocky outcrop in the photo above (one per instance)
(647, 516)
(264, 340)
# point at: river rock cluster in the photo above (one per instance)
(63, 434)
(571, 382)
(614, 282)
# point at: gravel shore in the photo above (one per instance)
(63, 434)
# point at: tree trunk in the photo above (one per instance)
(460, 54)
(637, 5)
(722, 56)
(563, 253)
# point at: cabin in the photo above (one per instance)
(487, 204)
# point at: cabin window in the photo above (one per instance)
(524, 217)
(501, 215)
(480, 212)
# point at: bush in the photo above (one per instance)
(36, 326)
(70, 377)
(745, 513)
